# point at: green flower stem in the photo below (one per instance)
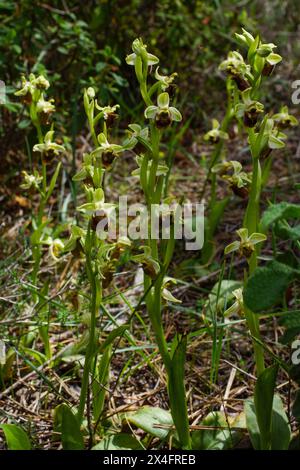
(96, 297)
(251, 223)
(154, 308)
(153, 193)
(36, 248)
(218, 149)
(216, 156)
(143, 175)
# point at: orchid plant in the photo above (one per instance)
(265, 135)
(152, 173)
(42, 180)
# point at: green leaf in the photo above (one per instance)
(53, 181)
(66, 423)
(16, 437)
(211, 224)
(177, 394)
(147, 417)
(117, 332)
(267, 285)
(37, 355)
(251, 423)
(215, 439)
(263, 401)
(283, 210)
(100, 381)
(285, 232)
(280, 431)
(291, 321)
(120, 441)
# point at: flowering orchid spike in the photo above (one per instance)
(246, 245)
(31, 89)
(237, 69)
(49, 149)
(106, 152)
(245, 38)
(249, 110)
(165, 292)
(150, 266)
(165, 80)
(163, 114)
(76, 240)
(215, 134)
(31, 181)
(238, 181)
(140, 50)
(237, 308)
(56, 247)
(45, 109)
(284, 120)
(108, 113)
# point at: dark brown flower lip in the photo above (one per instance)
(163, 119)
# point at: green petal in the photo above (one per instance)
(234, 309)
(274, 59)
(166, 294)
(175, 114)
(215, 124)
(150, 112)
(163, 100)
(99, 195)
(89, 206)
(152, 59)
(81, 175)
(102, 139)
(237, 166)
(234, 246)
(130, 59)
(243, 234)
(257, 238)
(275, 143)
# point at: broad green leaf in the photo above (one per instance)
(147, 417)
(120, 441)
(37, 355)
(99, 383)
(251, 423)
(267, 285)
(177, 395)
(215, 439)
(16, 437)
(263, 401)
(66, 423)
(285, 232)
(283, 210)
(280, 430)
(291, 321)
